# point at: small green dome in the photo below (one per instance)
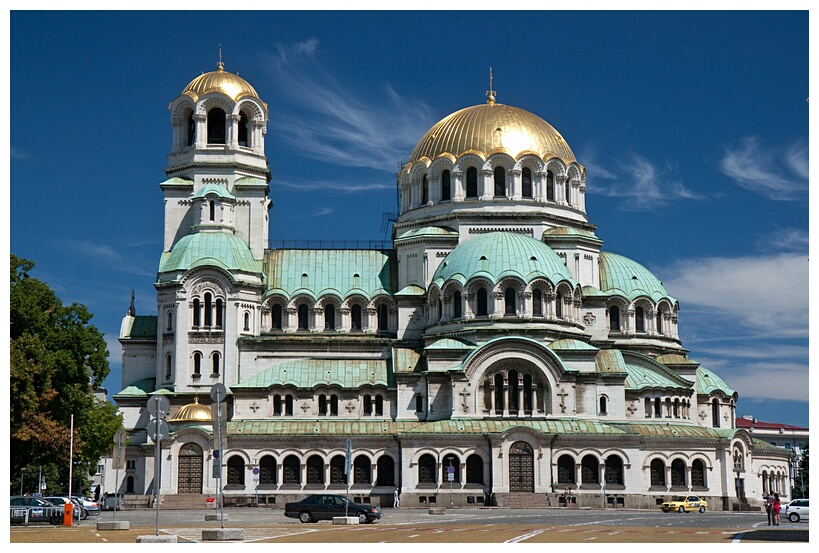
(620, 275)
(220, 249)
(496, 255)
(708, 382)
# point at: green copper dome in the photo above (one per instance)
(708, 382)
(219, 249)
(496, 255)
(622, 276)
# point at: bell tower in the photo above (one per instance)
(217, 170)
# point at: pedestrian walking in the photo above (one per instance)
(776, 506)
(769, 501)
(396, 498)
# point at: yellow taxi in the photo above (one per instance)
(684, 504)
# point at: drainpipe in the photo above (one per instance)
(489, 443)
(400, 463)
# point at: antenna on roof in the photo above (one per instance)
(490, 94)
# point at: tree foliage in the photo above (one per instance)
(801, 481)
(57, 360)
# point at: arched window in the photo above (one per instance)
(499, 395)
(659, 323)
(383, 317)
(211, 211)
(303, 317)
(196, 313)
(291, 473)
(337, 475)
(191, 130)
(697, 474)
(568, 191)
(247, 321)
(509, 301)
(715, 413)
(474, 469)
(315, 470)
(658, 407)
(565, 470)
(550, 186)
(559, 305)
(277, 405)
(471, 183)
(419, 403)
(450, 461)
(170, 322)
(426, 469)
(424, 190)
(537, 303)
(216, 363)
(500, 182)
(243, 130)
(197, 363)
(603, 405)
(678, 473)
(526, 183)
(216, 126)
(288, 405)
(276, 315)
(267, 470)
(513, 391)
(657, 472)
(208, 309)
(368, 404)
(219, 311)
(168, 366)
(361, 470)
(236, 471)
(385, 467)
(614, 318)
(639, 320)
(528, 396)
(483, 303)
(446, 187)
(322, 404)
(589, 471)
(614, 470)
(379, 405)
(334, 405)
(676, 408)
(355, 315)
(456, 306)
(329, 317)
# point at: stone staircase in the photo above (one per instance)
(526, 500)
(185, 501)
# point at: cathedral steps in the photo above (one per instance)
(525, 500)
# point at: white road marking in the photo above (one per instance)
(524, 537)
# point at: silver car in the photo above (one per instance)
(796, 510)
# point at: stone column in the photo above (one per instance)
(486, 185)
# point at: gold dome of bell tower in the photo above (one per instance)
(193, 412)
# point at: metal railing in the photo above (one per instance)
(330, 245)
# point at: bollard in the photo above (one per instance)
(68, 514)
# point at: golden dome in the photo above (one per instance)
(220, 81)
(193, 412)
(490, 128)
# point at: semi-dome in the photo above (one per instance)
(496, 255)
(222, 81)
(220, 249)
(490, 128)
(620, 275)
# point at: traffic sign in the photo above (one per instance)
(218, 392)
(450, 469)
(157, 429)
(158, 406)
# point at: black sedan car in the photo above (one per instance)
(316, 507)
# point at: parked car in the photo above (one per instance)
(684, 504)
(795, 511)
(39, 510)
(316, 507)
(79, 511)
(93, 507)
(111, 502)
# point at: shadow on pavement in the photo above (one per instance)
(776, 535)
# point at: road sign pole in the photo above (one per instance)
(219, 439)
(347, 471)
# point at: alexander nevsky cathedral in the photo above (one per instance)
(494, 353)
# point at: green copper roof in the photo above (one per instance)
(139, 388)
(250, 181)
(220, 249)
(609, 361)
(563, 234)
(308, 373)
(708, 382)
(451, 343)
(177, 181)
(428, 232)
(645, 372)
(141, 327)
(339, 272)
(570, 344)
(496, 255)
(620, 275)
(213, 188)
(675, 359)
(406, 360)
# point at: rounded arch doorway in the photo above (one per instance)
(189, 473)
(521, 468)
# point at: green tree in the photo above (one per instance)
(57, 360)
(801, 481)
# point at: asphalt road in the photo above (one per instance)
(418, 526)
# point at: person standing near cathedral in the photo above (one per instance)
(396, 498)
(777, 505)
(769, 501)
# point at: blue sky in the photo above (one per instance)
(693, 127)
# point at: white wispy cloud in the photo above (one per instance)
(785, 240)
(775, 173)
(18, 154)
(110, 256)
(337, 125)
(338, 186)
(642, 185)
(764, 294)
